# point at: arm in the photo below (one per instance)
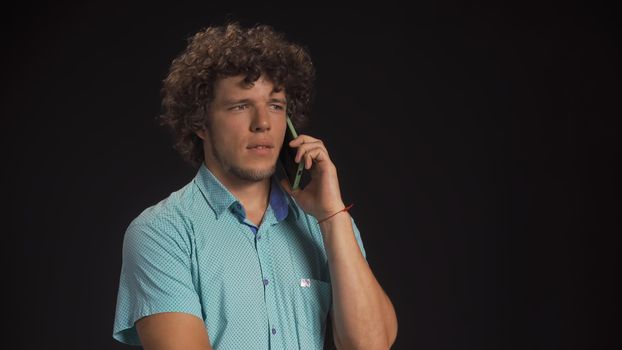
(363, 316)
(158, 303)
(172, 331)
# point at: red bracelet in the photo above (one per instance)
(344, 209)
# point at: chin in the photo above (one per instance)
(253, 174)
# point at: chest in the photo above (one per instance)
(274, 279)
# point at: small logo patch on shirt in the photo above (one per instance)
(305, 282)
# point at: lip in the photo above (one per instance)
(262, 147)
(265, 144)
(262, 150)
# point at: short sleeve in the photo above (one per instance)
(357, 235)
(156, 276)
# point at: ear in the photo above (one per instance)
(201, 134)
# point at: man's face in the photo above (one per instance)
(245, 130)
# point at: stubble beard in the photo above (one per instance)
(251, 175)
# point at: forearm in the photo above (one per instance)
(362, 312)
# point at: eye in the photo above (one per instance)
(277, 107)
(239, 107)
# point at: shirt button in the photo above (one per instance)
(258, 236)
(273, 330)
(265, 282)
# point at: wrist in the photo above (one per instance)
(343, 209)
(330, 209)
(336, 223)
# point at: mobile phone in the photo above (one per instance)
(296, 173)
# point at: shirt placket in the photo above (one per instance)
(262, 241)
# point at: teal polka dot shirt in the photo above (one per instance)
(265, 287)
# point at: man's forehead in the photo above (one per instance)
(240, 81)
(237, 84)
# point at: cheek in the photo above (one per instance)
(229, 143)
(280, 130)
(226, 135)
(222, 141)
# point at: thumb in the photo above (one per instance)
(286, 186)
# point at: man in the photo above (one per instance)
(235, 259)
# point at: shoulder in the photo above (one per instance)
(169, 219)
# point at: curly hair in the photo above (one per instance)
(224, 51)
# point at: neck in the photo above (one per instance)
(254, 195)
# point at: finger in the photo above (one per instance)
(304, 148)
(315, 155)
(303, 139)
(300, 154)
(287, 187)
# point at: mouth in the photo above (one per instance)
(260, 149)
(263, 144)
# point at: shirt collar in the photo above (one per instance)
(278, 200)
(220, 199)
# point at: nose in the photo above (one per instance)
(261, 121)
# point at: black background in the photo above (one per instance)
(477, 142)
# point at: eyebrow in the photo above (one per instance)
(246, 100)
(280, 100)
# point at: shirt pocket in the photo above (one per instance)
(313, 302)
